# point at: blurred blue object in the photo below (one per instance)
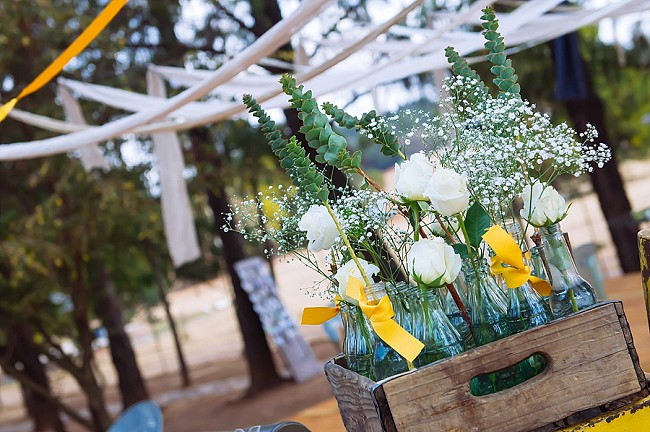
(332, 327)
(144, 416)
(588, 267)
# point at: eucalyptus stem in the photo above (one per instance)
(347, 243)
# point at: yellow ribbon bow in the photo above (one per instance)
(78, 45)
(516, 273)
(380, 316)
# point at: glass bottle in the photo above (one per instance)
(385, 360)
(571, 292)
(488, 311)
(538, 267)
(526, 309)
(489, 323)
(358, 340)
(454, 314)
(440, 338)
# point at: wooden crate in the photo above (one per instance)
(592, 368)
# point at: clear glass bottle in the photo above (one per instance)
(385, 361)
(453, 312)
(489, 323)
(488, 311)
(358, 340)
(440, 338)
(571, 292)
(526, 309)
(539, 269)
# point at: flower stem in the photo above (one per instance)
(574, 304)
(366, 280)
(461, 222)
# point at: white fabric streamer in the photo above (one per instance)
(527, 25)
(91, 155)
(178, 220)
(264, 46)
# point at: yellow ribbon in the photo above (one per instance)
(380, 316)
(516, 272)
(79, 44)
(319, 314)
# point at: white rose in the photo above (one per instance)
(452, 226)
(543, 205)
(448, 192)
(412, 176)
(432, 259)
(320, 227)
(350, 269)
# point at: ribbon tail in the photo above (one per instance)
(541, 286)
(4, 110)
(318, 315)
(399, 339)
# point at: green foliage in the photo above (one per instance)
(461, 249)
(330, 147)
(373, 123)
(477, 221)
(291, 155)
(505, 77)
(339, 115)
(460, 67)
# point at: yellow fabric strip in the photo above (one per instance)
(318, 315)
(79, 44)
(515, 272)
(381, 319)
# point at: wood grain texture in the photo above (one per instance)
(591, 363)
(353, 395)
(644, 256)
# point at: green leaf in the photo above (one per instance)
(461, 249)
(477, 222)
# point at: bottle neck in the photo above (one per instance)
(375, 292)
(556, 249)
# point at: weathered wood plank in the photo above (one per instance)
(644, 256)
(592, 363)
(353, 395)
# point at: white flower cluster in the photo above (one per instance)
(502, 144)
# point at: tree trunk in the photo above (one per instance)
(162, 295)
(44, 413)
(109, 310)
(263, 373)
(575, 88)
(85, 375)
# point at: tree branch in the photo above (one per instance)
(15, 373)
(230, 15)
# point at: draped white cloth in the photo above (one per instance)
(91, 155)
(178, 220)
(528, 24)
(264, 46)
